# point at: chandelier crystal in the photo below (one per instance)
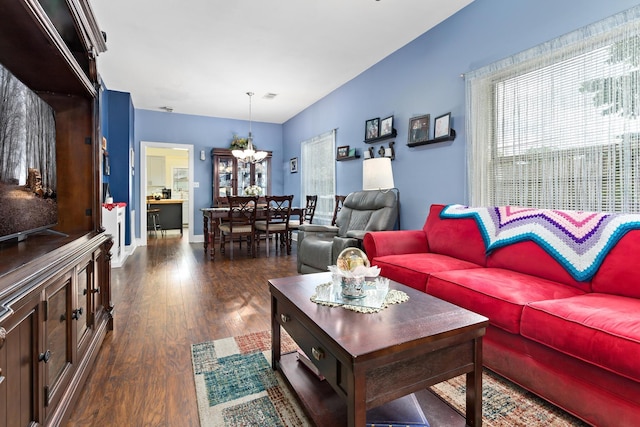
(249, 154)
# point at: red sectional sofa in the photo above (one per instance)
(574, 343)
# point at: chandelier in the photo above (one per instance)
(249, 154)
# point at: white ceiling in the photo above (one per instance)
(202, 56)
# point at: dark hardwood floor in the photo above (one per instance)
(167, 296)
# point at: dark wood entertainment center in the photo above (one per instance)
(55, 296)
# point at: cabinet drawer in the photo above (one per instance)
(318, 353)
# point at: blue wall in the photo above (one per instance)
(205, 133)
(118, 115)
(424, 77)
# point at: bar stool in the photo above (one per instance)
(153, 221)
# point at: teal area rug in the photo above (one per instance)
(236, 386)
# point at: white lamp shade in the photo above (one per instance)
(239, 154)
(377, 174)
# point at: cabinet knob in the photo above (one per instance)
(285, 318)
(317, 353)
(3, 336)
(44, 357)
(76, 313)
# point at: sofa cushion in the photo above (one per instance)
(496, 293)
(458, 238)
(618, 273)
(414, 269)
(597, 328)
(529, 258)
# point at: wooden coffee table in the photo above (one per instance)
(371, 359)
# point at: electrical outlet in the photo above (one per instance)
(196, 185)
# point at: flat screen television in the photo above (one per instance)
(28, 199)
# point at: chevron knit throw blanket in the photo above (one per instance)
(579, 241)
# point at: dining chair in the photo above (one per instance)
(240, 222)
(277, 212)
(306, 216)
(337, 207)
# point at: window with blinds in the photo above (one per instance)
(557, 126)
(318, 174)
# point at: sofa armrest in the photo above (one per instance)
(395, 242)
(315, 231)
(318, 228)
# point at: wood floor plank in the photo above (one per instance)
(168, 296)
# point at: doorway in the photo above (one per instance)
(167, 172)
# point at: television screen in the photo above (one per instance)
(27, 160)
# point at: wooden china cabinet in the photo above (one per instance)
(55, 287)
(232, 175)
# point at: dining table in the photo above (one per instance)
(211, 220)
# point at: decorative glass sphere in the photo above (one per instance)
(350, 258)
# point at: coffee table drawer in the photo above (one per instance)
(319, 355)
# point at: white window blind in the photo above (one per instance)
(557, 126)
(318, 169)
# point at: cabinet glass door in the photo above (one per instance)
(261, 177)
(244, 176)
(225, 177)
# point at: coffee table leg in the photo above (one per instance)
(474, 388)
(356, 400)
(275, 335)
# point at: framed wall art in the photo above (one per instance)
(343, 152)
(442, 126)
(372, 129)
(293, 165)
(386, 126)
(419, 128)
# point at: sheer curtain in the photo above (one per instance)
(557, 126)
(318, 169)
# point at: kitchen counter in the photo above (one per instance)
(164, 201)
(170, 216)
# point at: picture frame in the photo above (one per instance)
(442, 126)
(343, 152)
(352, 152)
(419, 128)
(372, 129)
(386, 126)
(293, 165)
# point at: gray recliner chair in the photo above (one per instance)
(362, 211)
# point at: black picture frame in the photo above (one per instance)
(343, 152)
(386, 126)
(419, 128)
(442, 126)
(293, 165)
(372, 128)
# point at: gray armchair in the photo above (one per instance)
(362, 211)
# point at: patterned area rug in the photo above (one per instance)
(235, 386)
